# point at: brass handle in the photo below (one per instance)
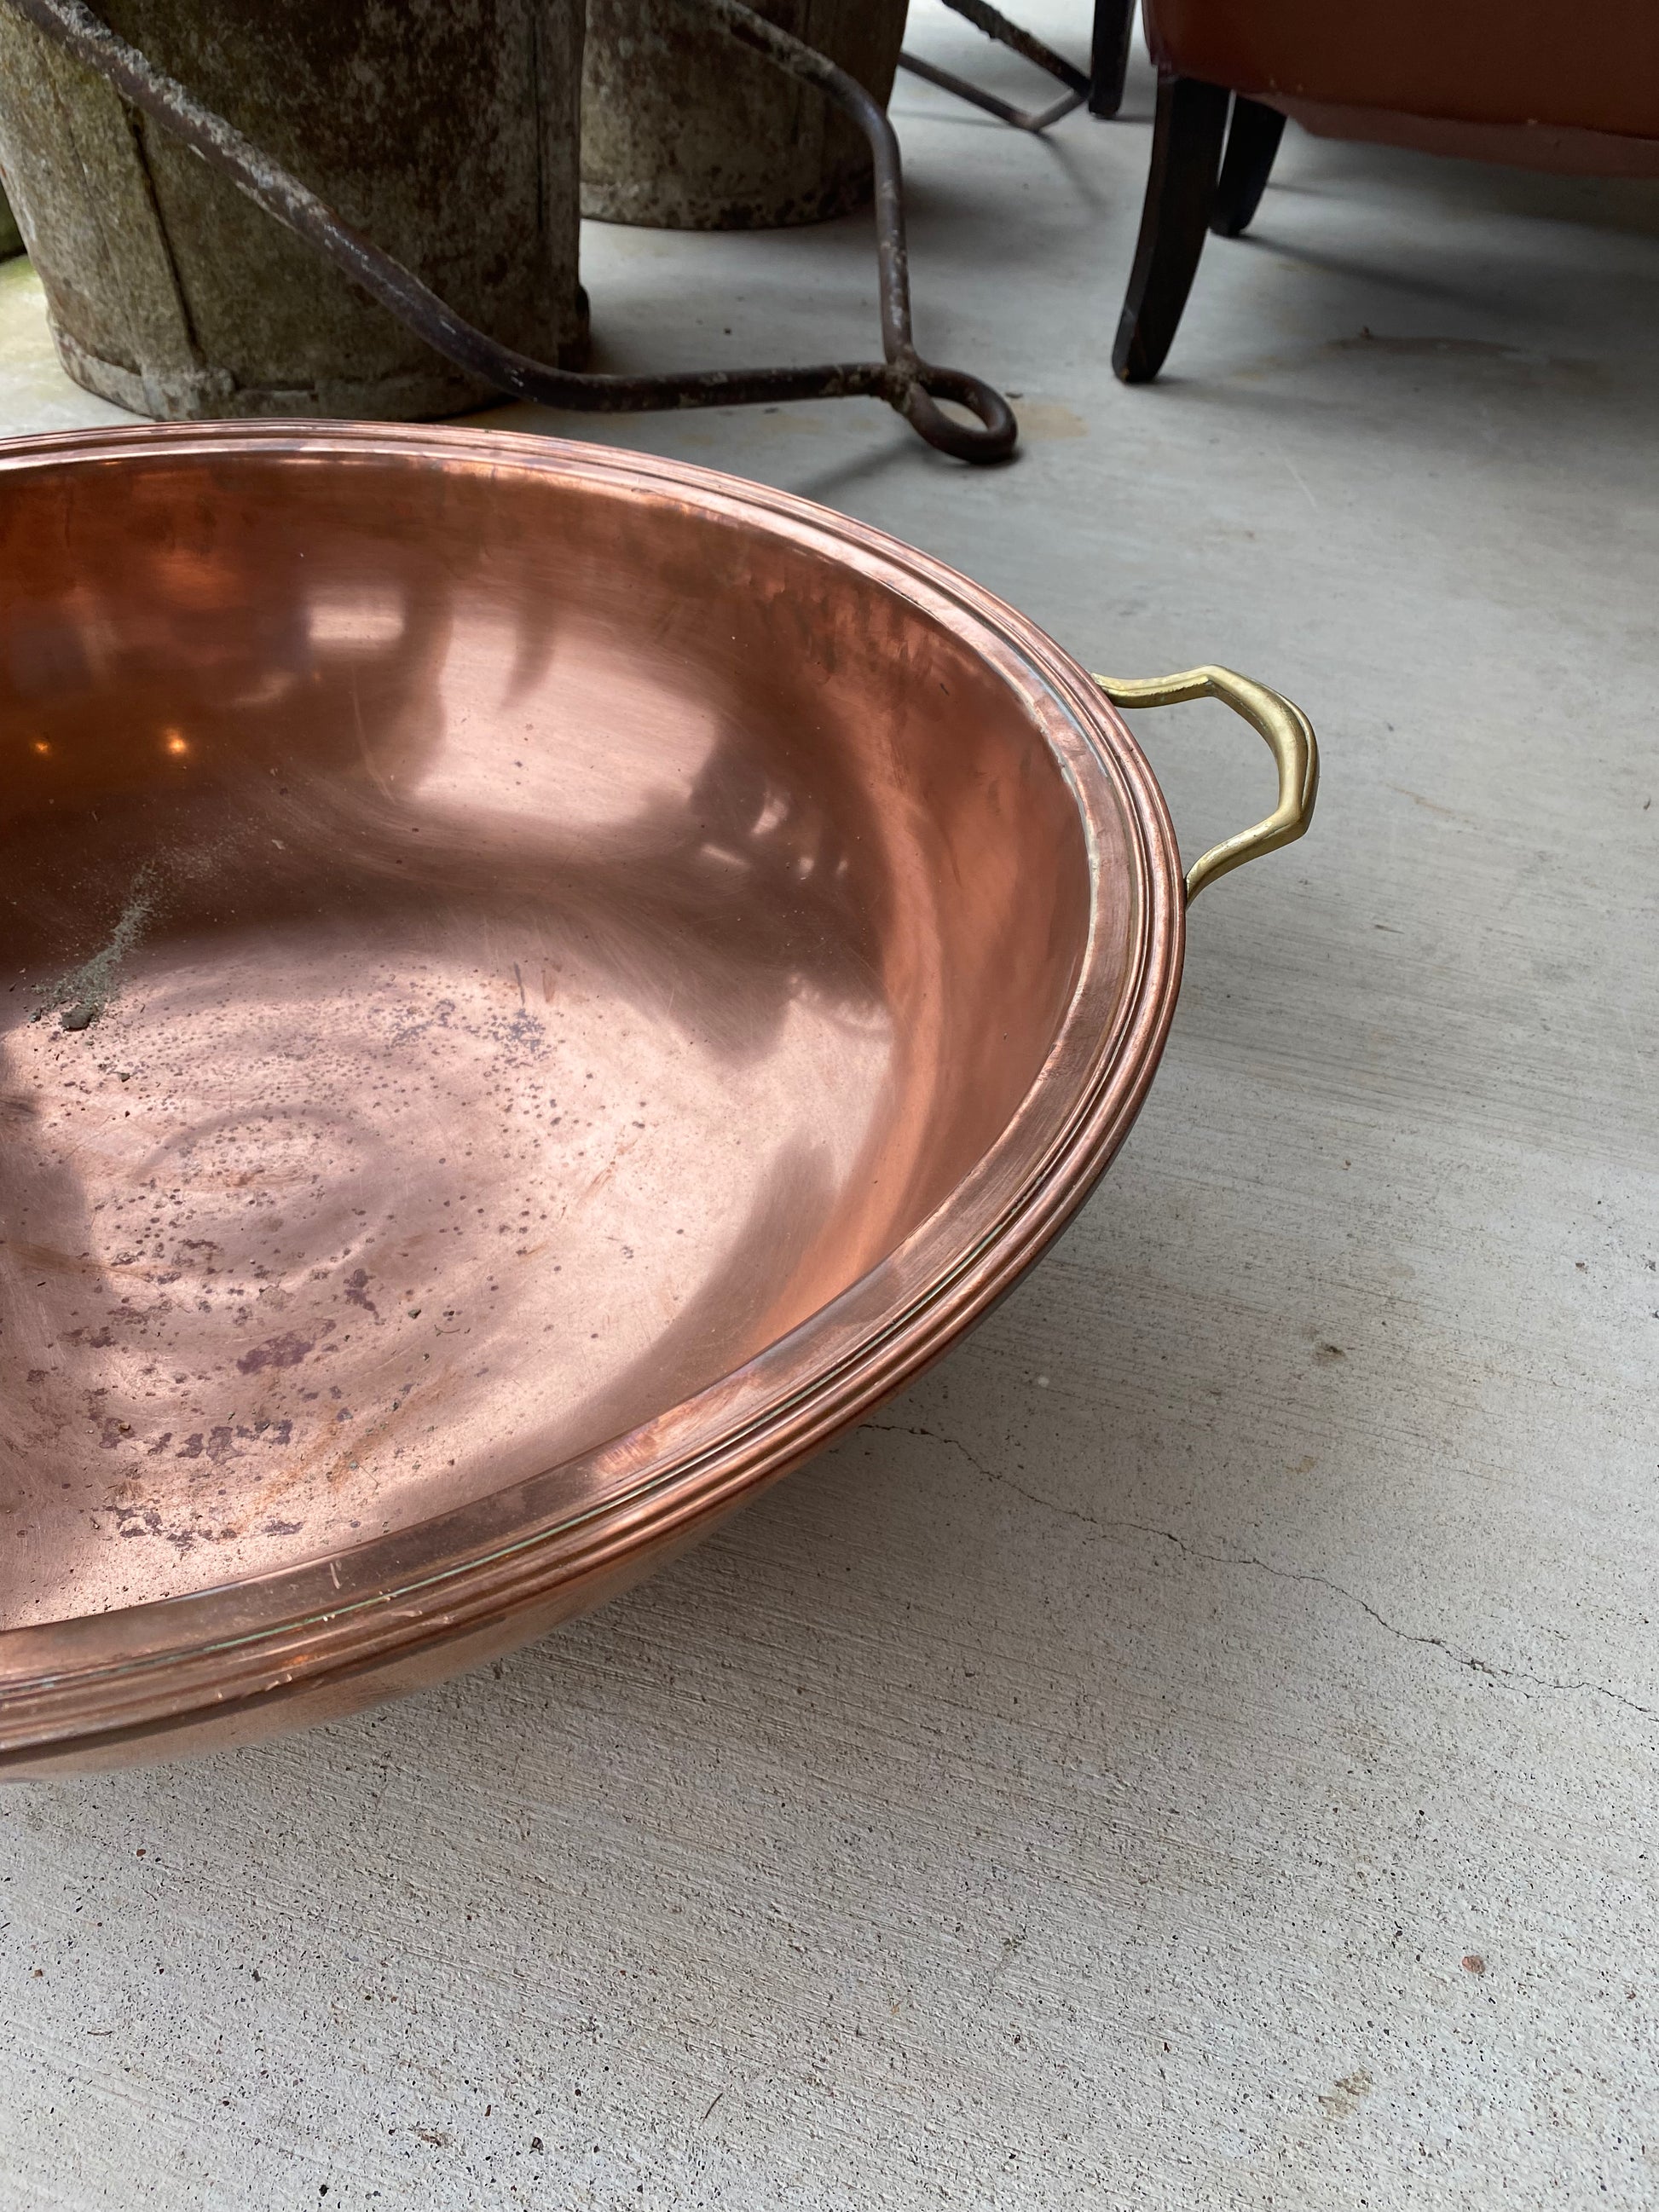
(1288, 732)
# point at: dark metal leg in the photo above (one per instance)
(1252, 139)
(1192, 118)
(1113, 21)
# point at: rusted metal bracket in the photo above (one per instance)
(995, 25)
(907, 381)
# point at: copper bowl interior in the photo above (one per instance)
(488, 949)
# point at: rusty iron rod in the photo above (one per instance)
(1033, 119)
(909, 383)
(995, 25)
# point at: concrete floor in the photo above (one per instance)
(1197, 1749)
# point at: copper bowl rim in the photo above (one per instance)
(171, 1660)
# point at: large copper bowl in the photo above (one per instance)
(539, 985)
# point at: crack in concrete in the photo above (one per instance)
(1509, 1677)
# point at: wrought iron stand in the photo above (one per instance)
(909, 383)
